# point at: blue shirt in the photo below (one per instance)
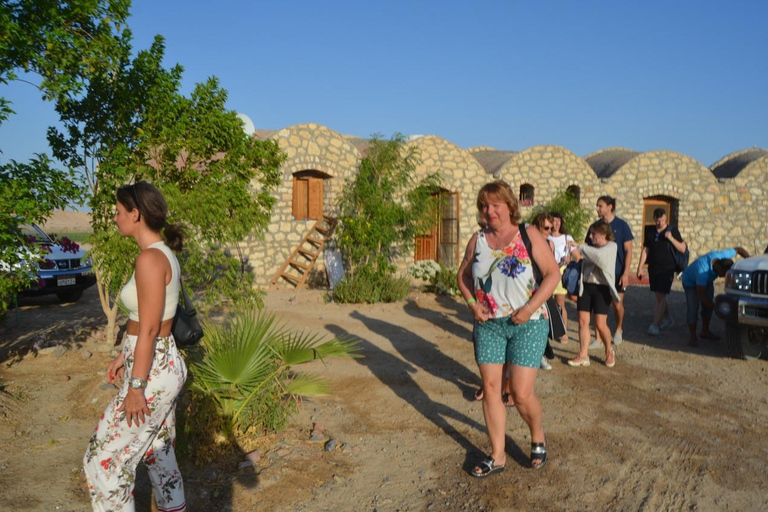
(621, 233)
(701, 273)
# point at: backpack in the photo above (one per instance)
(571, 276)
(556, 324)
(681, 258)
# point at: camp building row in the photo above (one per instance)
(716, 207)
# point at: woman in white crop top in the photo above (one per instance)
(139, 423)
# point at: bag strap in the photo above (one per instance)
(528, 247)
(188, 306)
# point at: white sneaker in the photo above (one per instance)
(596, 344)
(545, 364)
(653, 330)
(666, 324)
(618, 338)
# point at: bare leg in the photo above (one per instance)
(584, 335)
(560, 300)
(661, 309)
(528, 404)
(692, 340)
(494, 411)
(601, 324)
(618, 311)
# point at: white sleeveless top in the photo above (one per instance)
(503, 278)
(129, 296)
(561, 246)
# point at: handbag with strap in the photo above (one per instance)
(186, 328)
(556, 324)
(571, 276)
(681, 258)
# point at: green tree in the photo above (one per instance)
(62, 43)
(384, 208)
(575, 217)
(132, 123)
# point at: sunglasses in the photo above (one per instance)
(547, 228)
(135, 196)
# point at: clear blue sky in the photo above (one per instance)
(688, 76)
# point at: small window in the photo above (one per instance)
(526, 194)
(575, 191)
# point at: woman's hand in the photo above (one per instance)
(640, 273)
(480, 312)
(135, 407)
(116, 369)
(522, 315)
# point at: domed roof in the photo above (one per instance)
(606, 162)
(493, 160)
(732, 165)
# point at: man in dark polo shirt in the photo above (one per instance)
(606, 207)
(657, 251)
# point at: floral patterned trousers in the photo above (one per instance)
(115, 449)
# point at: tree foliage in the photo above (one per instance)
(132, 123)
(62, 43)
(385, 207)
(575, 217)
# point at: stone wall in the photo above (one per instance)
(712, 213)
(308, 147)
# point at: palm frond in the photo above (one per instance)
(305, 384)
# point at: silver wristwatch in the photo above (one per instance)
(137, 383)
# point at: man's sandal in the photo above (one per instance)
(507, 399)
(478, 394)
(487, 467)
(538, 452)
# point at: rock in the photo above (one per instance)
(114, 352)
(246, 464)
(85, 355)
(254, 456)
(105, 387)
(330, 445)
(60, 351)
(283, 452)
(272, 455)
(65, 378)
(318, 427)
(316, 436)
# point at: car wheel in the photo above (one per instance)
(740, 344)
(70, 296)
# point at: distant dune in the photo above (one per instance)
(74, 222)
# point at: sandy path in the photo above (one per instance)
(668, 428)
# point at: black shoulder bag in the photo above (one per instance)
(186, 327)
(556, 324)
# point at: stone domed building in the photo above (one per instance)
(717, 207)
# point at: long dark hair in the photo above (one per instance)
(150, 203)
(557, 215)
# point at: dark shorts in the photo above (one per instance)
(661, 281)
(619, 288)
(595, 299)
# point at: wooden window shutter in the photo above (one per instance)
(300, 198)
(315, 198)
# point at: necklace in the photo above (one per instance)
(500, 241)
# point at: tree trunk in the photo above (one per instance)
(110, 310)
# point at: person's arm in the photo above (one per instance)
(678, 244)
(624, 282)
(643, 256)
(550, 272)
(466, 287)
(150, 287)
(741, 252)
(701, 291)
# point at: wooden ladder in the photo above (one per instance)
(297, 267)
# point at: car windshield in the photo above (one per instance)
(35, 231)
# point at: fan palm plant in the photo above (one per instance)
(255, 352)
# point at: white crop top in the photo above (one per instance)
(129, 296)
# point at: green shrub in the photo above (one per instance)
(245, 383)
(371, 285)
(576, 217)
(440, 279)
